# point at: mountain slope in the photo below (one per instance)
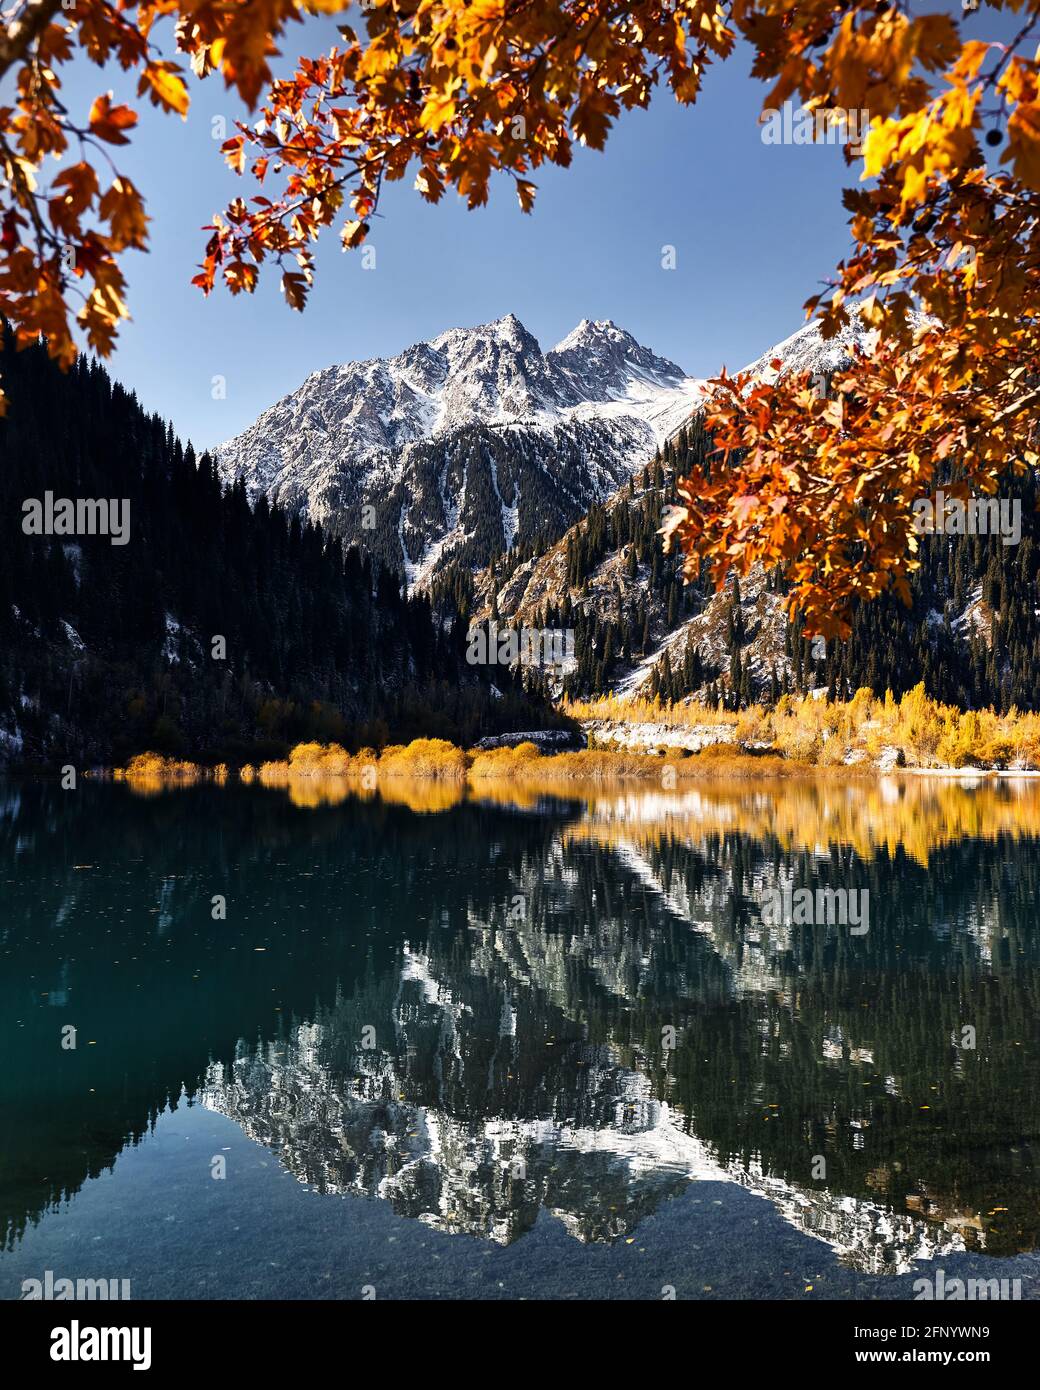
(972, 632)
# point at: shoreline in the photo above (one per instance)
(634, 739)
(524, 764)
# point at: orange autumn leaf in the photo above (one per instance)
(108, 122)
(123, 207)
(78, 187)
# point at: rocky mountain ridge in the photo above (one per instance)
(461, 446)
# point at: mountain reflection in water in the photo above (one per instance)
(461, 1004)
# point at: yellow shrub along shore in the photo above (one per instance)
(525, 763)
(854, 737)
(424, 757)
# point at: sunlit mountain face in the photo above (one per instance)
(464, 445)
(487, 1015)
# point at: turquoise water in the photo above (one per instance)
(503, 1051)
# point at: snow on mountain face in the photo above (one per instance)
(461, 445)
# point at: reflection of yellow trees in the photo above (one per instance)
(871, 816)
(423, 795)
(311, 792)
(516, 795)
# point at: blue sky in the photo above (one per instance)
(756, 228)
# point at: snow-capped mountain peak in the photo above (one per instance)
(603, 361)
(468, 441)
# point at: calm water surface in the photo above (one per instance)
(519, 1047)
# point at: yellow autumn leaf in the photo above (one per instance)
(438, 111)
(166, 87)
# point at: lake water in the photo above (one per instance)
(520, 1046)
